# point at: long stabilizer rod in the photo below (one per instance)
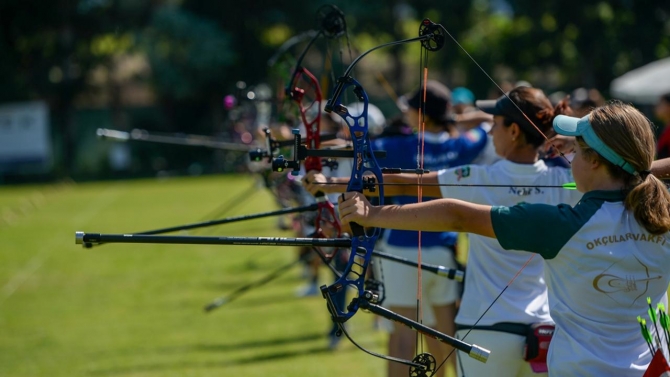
(83, 238)
(285, 211)
(95, 238)
(474, 351)
(179, 139)
(450, 273)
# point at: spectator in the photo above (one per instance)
(583, 100)
(662, 112)
(463, 100)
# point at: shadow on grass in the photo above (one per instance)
(259, 343)
(280, 355)
(265, 357)
(230, 286)
(253, 302)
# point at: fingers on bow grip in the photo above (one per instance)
(356, 229)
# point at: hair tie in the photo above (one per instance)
(644, 174)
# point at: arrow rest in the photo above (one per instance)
(369, 184)
(330, 163)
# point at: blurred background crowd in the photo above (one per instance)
(217, 68)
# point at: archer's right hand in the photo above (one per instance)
(315, 182)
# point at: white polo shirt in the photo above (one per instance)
(489, 267)
(601, 266)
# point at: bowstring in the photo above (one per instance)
(505, 94)
(546, 139)
(423, 80)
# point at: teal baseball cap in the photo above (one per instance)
(463, 96)
(571, 126)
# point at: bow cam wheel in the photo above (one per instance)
(428, 361)
(330, 20)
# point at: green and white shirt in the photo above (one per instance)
(490, 268)
(600, 267)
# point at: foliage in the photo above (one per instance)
(197, 50)
(188, 54)
(567, 44)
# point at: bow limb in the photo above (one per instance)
(331, 24)
(304, 89)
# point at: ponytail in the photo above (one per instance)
(649, 200)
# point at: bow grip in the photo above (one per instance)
(356, 229)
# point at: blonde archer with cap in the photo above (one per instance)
(603, 256)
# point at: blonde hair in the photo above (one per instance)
(629, 133)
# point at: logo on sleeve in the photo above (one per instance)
(473, 136)
(463, 172)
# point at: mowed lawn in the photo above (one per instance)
(136, 310)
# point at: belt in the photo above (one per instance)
(507, 327)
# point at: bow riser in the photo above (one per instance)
(362, 243)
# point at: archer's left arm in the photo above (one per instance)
(433, 216)
(472, 119)
(661, 168)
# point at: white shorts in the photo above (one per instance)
(506, 359)
(400, 281)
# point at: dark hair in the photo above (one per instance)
(437, 105)
(537, 107)
(666, 97)
(396, 127)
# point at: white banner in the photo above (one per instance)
(25, 140)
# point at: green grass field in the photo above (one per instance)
(136, 310)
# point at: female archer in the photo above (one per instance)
(505, 327)
(443, 147)
(603, 256)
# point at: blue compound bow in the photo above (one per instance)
(431, 36)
